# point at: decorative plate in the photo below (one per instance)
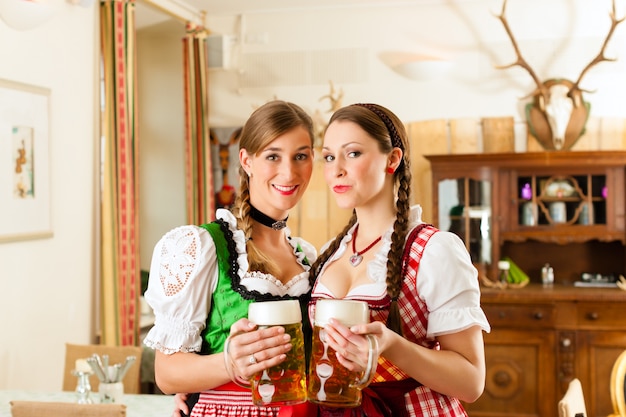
(560, 189)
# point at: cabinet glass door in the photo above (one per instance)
(570, 200)
(465, 209)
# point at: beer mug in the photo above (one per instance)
(285, 383)
(330, 383)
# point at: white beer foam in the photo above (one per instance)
(348, 312)
(275, 313)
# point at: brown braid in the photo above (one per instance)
(264, 125)
(385, 127)
(323, 257)
(398, 238)
(393, 133)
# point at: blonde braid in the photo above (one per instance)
(241, 208)
(257, 260)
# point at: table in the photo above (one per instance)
(137, 405)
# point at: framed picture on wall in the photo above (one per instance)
(25, 166)
(225, 162)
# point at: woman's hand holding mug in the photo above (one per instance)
(342, 362)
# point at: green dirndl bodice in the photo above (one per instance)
(230, 300)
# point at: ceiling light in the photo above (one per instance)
(417, 66)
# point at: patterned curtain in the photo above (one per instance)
(198, 170)
(120, 281)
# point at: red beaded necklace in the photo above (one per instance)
(357, 256)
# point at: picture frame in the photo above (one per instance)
(25, 211)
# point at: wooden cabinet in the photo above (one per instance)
(541, 338)
(562, 208)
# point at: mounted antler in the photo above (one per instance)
(558, 113)
(541, 88)
(600, 57)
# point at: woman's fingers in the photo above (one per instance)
(242, 326)
(352, 350)
(243, 344)
(250, 365)
(384, 336)
(256, 350)
(180, 405)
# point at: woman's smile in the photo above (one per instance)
(285, 189)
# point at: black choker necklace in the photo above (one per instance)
(266, 220)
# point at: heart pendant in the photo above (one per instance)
(355, 260)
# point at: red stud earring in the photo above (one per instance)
(390, 170)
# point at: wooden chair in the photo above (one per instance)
(60, 409)
(618, 374)
(573, 402)
(117, 354)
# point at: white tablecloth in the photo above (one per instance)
(137, 405)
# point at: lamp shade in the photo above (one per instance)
(423, 70)
(26, 14)
(416, 66)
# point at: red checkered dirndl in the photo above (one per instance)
(422, 401)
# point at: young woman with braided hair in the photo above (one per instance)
(202, 278)
(419, 282)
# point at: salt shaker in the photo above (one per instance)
(83, 388)
(503, 271)
(547, 275)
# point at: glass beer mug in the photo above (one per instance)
(285, 383)
(330, 383)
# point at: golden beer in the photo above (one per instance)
(330, 383)
(283, 384)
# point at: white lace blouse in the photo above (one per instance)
(446, 280)
(183, 276)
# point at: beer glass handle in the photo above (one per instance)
(372, 363)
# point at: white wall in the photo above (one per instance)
(47, 285)
(161, 131)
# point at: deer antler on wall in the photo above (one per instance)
(320, 122)
(558, 113)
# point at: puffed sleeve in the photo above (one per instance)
(183, 275)
(447, 281)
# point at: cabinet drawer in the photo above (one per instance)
(527, 315)
(601, 316)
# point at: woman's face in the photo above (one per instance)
(280, 172)
(354, 166)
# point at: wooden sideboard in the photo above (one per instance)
(563, 208)
(541, 338)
